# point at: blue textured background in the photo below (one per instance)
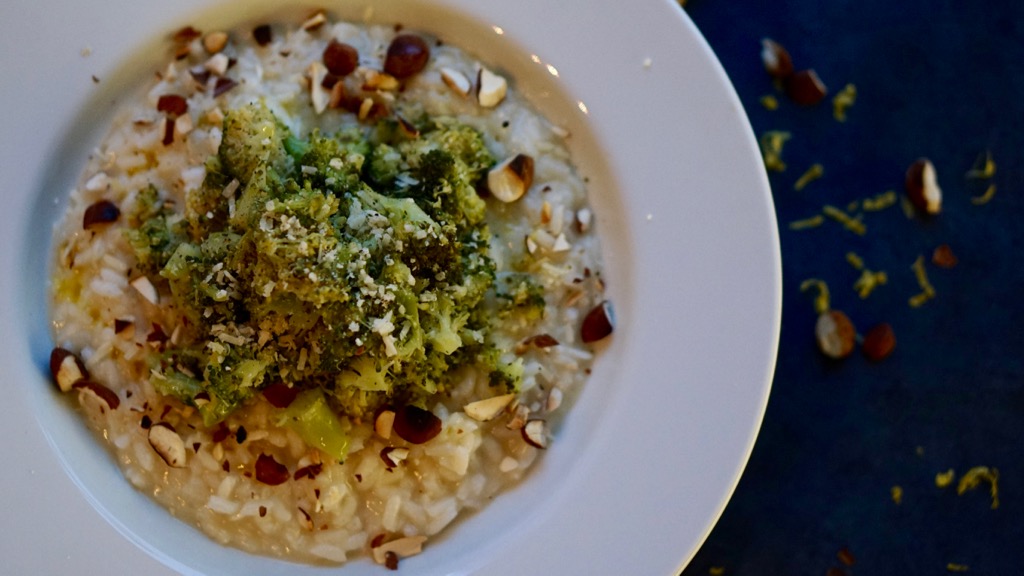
(939, 79)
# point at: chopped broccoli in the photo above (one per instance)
(312, 418)
(522, 295)
(253, 140)
(155, 232)
(354, 266)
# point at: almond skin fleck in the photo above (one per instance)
(172, 104)
(99, 213)
(271, 472)
(598, 323)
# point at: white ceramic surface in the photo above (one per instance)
(647, 458)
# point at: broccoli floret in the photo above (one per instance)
(329, 163)
(384, 166)
(154, 231)
(440, 169)
(253, 139)
(507, 376)
(312, 418)
(521, 294)
(467, 146)
(359, 273)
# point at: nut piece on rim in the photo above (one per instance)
(490, 88)
(922, 187)
(488, 408)
(168, 444)
(509, 180)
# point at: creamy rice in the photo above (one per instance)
(326, 512)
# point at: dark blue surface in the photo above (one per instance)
(938, 79)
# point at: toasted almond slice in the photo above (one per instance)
(520, 414)
(98, 182)
(402, 547)
(365, 107)
(382, 81)
(99, 392)
(319, 95)
(183, 125)
(554, 399)
(393, 456)
(535, 432)
(583, 219)
(561, 244)
(217, 64)
(168, 444)
(315, 21)
(488, 408)
(146, 289)
(66, 368)
(510, 179)
(384, 423)
(214, 42)
(490, 88)
(457, 81)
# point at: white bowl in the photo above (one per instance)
(645, 461)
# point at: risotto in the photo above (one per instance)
(324, 287)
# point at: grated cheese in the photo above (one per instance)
(772, 143)
(812, 222)
(823, 302)
(986, 197)
(813, 173)
(843, 100)
(851, 223)
(927, 290)
(975, 476)
(896, 492)
(869, 279)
